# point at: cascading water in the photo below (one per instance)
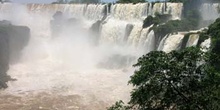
(172, 42)
(150, 42)
(206, 44)
(209, 12)
(90, 11)
(69, 71)
(193, 40)
(143, 36)
(62, 72)
(161, 45)
(134, 14)
(135, 35)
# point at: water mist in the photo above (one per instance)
(64, 66)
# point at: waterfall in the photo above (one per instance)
(95, 12)
(149, 43)
(143, 35)
(119, 16)
(134, 14)
(193, 40)
(90, 11)
(209, 11)
(140, 11)
(113, 31)
(206, 44)
(129, 11)
(175, 9)
(69, 69)
(161, 45)
(172, 42)
(135, 35)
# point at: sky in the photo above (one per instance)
(47, 1)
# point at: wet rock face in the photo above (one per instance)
(95, 31)
(60, 24)
(12, 40)
(4, 58)
(128, 30)
(96, 26)
(56, 23)
(19, 37)
(117, 61)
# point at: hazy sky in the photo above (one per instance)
(48, 1)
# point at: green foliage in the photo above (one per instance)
(119, 106)
(148, 21)
(202, 37)
(158, 19)
(190, 22)
(214, 29)
(160, 85)
(214, 32)
(176, 80)
(169, 27)
(163, 25)
(192, 18)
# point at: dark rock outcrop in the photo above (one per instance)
(60, 24)
(128, 30)
(57, 23)
(19, 37)
(4, 58)
(95, 31)
(12, 40)
(117, 61)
